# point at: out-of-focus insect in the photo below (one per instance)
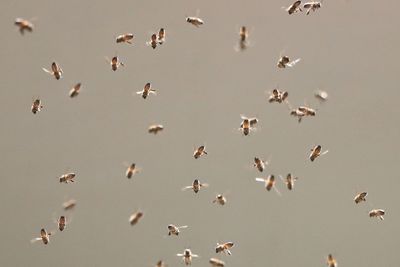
(277, 96)
(24, 25)
(153, 41)
(314, 5)
(147, 90)
(269, 183)
(132, 170)
(134, 218)
(62, 222)
(247, 124)
(160, 263)
(224, 247)
(260, 164)
(125, 38)
(220, 199)
(284, 62)
(115, 63)
(243, 36)
(44, 236)
(195, 21)
(216, 262)
(68, 177)
(154, 129)
(161, 36)
(187, 256)
(289, 181)
(330, 261)
(70, 204)
(295, 7)
(297, 113)
(174, 230)
(306, 110)
(360, 197)
(36, 106)
(75, 90)
(378, 213)
(316, 152)
(56, 71)
(196, 186)
(200, 151)
(321, 95)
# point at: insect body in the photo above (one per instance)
(284, 62)
(187, 256)
(153, 41)
(70, 204)
(196, 186)
(195, 21)
(360, 197)
(260, 164)
(161, 36)
(243, 36)
(75, 90)
(316, 152)
(377, 213)
(62, 222)
(200, 151)
(134, 218)
(68, 177)
(290, 181)
(220, 199)
(115, 63)
(56, 71)
(330, 261)
(174, 230)
(277, 96)
(147, 90)
(269, 182)
(295, 7)
(247, 124)
(161, 264)
(36, 106)
(216, 262)
(44, 236)
(131, 171)
(24, 25)
(224, 248)
(154, 129)
(125, 38)
(314, 5)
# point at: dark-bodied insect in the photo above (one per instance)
(68, 177)
(75, 90)
(260, 164)
(174, 230)
(36, 106)
(196, 186)
(316, 152)
(220, 199)
(195, 21)
(378, 213)
(115, 63)
(187, 256)
(269, 183)
(132, 170)
(69, 205)
(153, 41)
(306, 110)
(154, 129)
(224, 247)
(56, 71)
(200, 151)
(297, 113)
(360, 197)
(289, 181)
(147, 90)
(24, 25)
(284, 62)
(277, 96)
(161, 36)
(321, 95)
(44, 236)
(247, 124)
(243, 36)
(295, 7)
(314, 5)
(125, 38)
(216, 262)
(160, 263)
(61, 222)
(330, 261)
(135, 217)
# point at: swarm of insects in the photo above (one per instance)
(289, 181)
(135, 217)
(220, 199)
(247, 125)
(69, 205)
(56, 71)
(216, 262)
(378, 213)
(293, 8)
(269, 182)
(284, 62)
(68, 177)
(200, 151)
(224, 247)
(360, 197)
(277, 96)
(75, 90)
(23, 25)
(195, 21)
(187, 256)
(44, 237)
(131, 171)
(154, 129)
(330, 261)
(147, 90)
(312, 6)
(316, 152)
(175, 230)
(115, 63)
(125, 38)
(161, 36)
(260, 164)
(196, 186)
(36, 106)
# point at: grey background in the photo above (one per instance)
(349, 48)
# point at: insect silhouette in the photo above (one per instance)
(220, 199)
(175, 230)
(269, 183)
(330, 261)
(187, 256)
(224, 248)
(200, 151)
(147, 90)
(195, 21)
(125, 38)
(68, 177)
(44, 237)
(74, 92)
(316, 152)
(293, 8)
(284, 62)
(132, 170)
(378, 213)
(243, 38)
(160, 263)
(196, 186)
(161, 36)
(56, 71)
(135, 217)
(115, 63)
(153, 41)
(247, 125)
(360, 197)
(289, 181)
(260, 164)
(216, 262)
(24, 25)
(69, 205)
(312, 6)
(36, 106)
(62, 222)
(154, 129)
(277, 96)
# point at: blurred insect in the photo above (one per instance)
(187, 256)
(247, 124)
(316, 152)
(360, 197)
(284, 62)
(134, 218)
(131, 171)
(200, 151)
(220, 199)
(195, 21)
(260, 164)
(62, 222)
(295, 7)
(154, 129)
(161, 36)
(224, 248)
(153, 41)
(24, 25)
(44, 236)
(330, 261)
(70, 204)
(269, 183)
(216, 262)
(147, 90)
(321, 95)
(196, 186)
(75, 90)
(174, 230)
(161, 264)
(56, 71)
(243, 36)
(277, 96)
(289, 181)
(115, 63)
(377, 213)
(303, 111)
(68, 177)
(36, 106)
(125, 38)
(314, 5)
(297, 113)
